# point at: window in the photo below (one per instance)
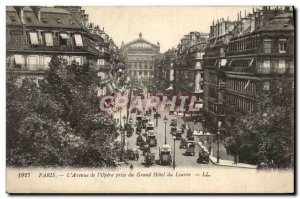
(32, 62)
(281, 66)
(266, 86)
(33, 38)
(101, 62)
(78, 60)
(13, 18)
(267, 45)
(19, 61)
(266, 64)
(28, 19)
(78, 40)
(48, 39)
(47, 60)
(44, 20)
(63, 38)
(282, 45)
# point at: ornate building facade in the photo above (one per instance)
(34, 34)
(140, 55)
(242, 57)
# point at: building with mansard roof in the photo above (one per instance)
(242, 58)
(35, 34)
(140, 55)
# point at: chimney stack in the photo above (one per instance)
(37, 12)
(20, 11)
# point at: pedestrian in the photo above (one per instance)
(131, 166)
(137, 155)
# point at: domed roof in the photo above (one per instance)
(140, 45)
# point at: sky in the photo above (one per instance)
(166, 25)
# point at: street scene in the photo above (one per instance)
(100, 87)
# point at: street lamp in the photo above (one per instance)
(174, 138)
(123, 136)
(120, 109)
(165, 120)
(218, 140)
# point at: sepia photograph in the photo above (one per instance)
(150, 99)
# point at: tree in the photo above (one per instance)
(58, 123)
(266, 135)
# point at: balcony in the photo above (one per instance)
(57, 48)
(243, 52)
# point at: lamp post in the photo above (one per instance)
(218, 141)
(120, 109)
(174, 138)
(123, 135)
(165, 120)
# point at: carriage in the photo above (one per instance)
(145, 121)
(190, 148)
(203, 157)
(149, 159)
(165, 157)
(151, 138)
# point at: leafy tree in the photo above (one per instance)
(266, 135)
(58, 123)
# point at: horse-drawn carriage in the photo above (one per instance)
(129, 130)
(139, 120)
(173, 122)
(149, 159)
(177, 134)
(140, 141)
(203, 157)
(173, 129)
(190, 148)
(151, 138)
(145, 121)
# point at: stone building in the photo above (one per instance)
(140, 55)
(242, 57)
(180, 70)
(35, 34)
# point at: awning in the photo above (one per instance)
(33, 38)
(19, 59)
(78, 40)
(64, 36)
(190, 85)
(170, 88)
(110, 88)
(251, 62)
(49, 39)
(199, 106)
(102, 75)
(216, 63)
(223, 62)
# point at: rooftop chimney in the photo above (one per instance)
(20, 11)
(37, 11)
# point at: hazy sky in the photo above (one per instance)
(164, 24)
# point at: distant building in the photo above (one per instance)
(179, 71)
(139, 55)
(242, 57)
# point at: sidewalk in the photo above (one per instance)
(227, 163)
